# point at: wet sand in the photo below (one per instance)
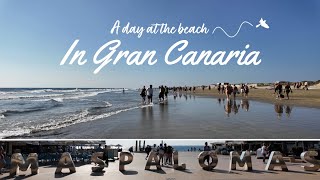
(198, 117)
(299, 97)
(135, 170)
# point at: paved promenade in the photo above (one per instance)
(135, 170)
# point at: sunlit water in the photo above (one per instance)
(106, 113)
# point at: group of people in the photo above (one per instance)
(163, 94)
(147, 93)
(297, 85)
(279, 89)
(164, 153)
(233, 90)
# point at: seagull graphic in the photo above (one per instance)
(263, 23)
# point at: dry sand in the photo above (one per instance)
(299, 97)
(135, 170)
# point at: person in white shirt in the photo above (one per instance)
(305, 85)
(150, 94)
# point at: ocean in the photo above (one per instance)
(29, 110)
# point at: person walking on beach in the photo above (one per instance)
(166, 91)
(143, 94)
(278, 90)
(288, 89)
(161, 93)
(228, 91)
(264, 152)
(206, 148)
(219, 87)
(246, 90)
(235, 91)
(242, 89)
(150, 94)
(305, 85)
(222, 89)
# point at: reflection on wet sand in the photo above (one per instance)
(245, 104)
(163, 108)
(278, 108)
(230, 106)
(147, 114)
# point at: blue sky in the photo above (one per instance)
(35, 35)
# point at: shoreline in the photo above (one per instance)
(299, 97)
(153, 120)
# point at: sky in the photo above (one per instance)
(35, 35)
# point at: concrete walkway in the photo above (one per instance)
(135, 170)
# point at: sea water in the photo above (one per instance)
(28, 110)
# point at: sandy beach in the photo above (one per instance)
(204, 114)
(135, 170)
(299, 97)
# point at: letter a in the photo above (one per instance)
(65, 162)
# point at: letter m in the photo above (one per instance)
(17, 160)
(244, 160)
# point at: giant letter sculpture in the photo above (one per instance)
(176, 163)
(123, 161)
(308, 156)
(153, 160)
(211, 165)
(65, 162)
(17, 160)
(97, 159)
(244, 160)
(276, 159)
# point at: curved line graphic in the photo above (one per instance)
(231, 36)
